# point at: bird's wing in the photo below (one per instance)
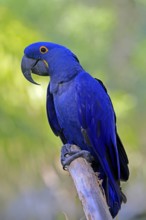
(96, 116)
(124, 170)
(123, 159)
(52, 118)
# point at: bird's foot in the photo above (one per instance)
(68, 155)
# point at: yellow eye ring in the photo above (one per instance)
(43, 49)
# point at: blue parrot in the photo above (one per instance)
(80, 112)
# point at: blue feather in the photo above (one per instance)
(80, 111)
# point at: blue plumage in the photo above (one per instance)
(80, 111)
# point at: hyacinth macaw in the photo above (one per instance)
(80, 112)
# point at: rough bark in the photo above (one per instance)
(88, 189)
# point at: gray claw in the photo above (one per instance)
(68, 155)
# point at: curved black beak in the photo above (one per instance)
(29, 66)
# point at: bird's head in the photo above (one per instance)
(43, 57)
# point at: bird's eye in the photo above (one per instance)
(43, 49)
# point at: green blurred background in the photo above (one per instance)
(109, 38)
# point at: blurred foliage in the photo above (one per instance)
(109, 38)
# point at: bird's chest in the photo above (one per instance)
(67, 110)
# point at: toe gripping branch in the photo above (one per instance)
(68, 155)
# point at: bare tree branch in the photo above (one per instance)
(88, 189)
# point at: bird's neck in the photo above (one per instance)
(63, 71)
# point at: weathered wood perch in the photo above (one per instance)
(88, 189)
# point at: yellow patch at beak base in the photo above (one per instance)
(45, 62)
